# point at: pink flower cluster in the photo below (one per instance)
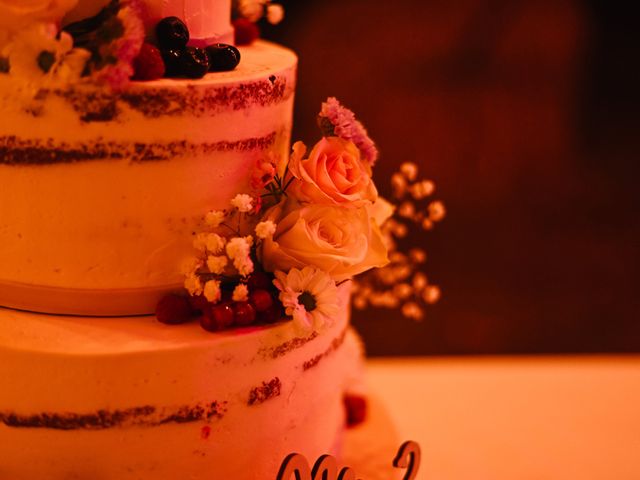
(347, 127)
(127, 47)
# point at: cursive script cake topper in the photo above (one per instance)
(295, 466)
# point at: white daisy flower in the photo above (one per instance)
(310, 296)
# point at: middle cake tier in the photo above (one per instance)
(103, 191)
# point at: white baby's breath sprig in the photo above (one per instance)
(402, 283)
(240, 293)
(193, 284)
(265, 229)
(242, 202)
(217, 263)
(212, 291)
(214, 218)
(239, 251)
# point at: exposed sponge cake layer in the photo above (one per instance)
(167, 402)
(175, 149)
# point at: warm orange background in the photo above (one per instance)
(524, 113)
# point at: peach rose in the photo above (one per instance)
(340, 241)
(14, 14)
(333, 174)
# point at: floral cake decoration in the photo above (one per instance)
(109, 48)
(313, 222)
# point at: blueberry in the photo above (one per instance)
(172, 33)
(222, 57)
(195, 62)
(173, 61)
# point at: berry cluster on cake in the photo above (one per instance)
(175, 280)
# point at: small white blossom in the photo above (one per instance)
(239, 251)
(410, 170)
(399, 184)
(431, 294)
(214, 218)
(243, 202)
(419, 281)
(215, 243)
(406, 209)
(252, 10)
(436, 211)
(193, 285)
(190, 266)
(412, 310)
(265, 229)
(422, 189)
(402, 290)
(275, 13)
(200, 242)
(240, 293)
(217, 263)
(212, 291)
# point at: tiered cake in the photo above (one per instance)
(107, 187)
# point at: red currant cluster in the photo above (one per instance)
(174, 58)
(261, 307)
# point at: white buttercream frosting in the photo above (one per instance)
(209, 21)
(65, 229)
(97, 367)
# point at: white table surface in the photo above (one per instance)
(516, 418)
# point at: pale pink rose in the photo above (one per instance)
(381, 210)
(342, 242)
(333, 174)
(14, 14)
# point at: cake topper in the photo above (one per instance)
(296, 465)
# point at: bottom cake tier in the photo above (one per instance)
(130, 398)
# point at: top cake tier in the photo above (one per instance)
(209, 21)
(102, 191)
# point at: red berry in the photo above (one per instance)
(246, 32)
(356, 409)
(272, 314)
(261, 300)
(173, 309)
(148, 65)
(243, 313)
(217, 317)
(199, 303)
(259, 280)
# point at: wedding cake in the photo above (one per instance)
(174, 281)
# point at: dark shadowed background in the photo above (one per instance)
(525, 114)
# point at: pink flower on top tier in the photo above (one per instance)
(332, 174)
(339, 121)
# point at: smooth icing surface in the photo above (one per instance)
(209, 21)
(128, 398)
(102, 192)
